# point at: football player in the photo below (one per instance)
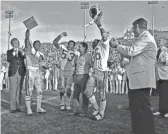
(100, 56)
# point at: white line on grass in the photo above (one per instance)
(56, 104)
(46, 100)
(22, 107)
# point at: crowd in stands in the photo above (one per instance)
(117, 64)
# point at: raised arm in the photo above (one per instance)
(99, 25)
(27, 40)
(58, 38)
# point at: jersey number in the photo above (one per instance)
(64, 54)
(72, 56)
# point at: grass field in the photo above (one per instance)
(117, 121)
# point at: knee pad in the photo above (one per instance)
(69, 92)
(90, 87)
(62, 93)
(39, 92)
(89, 91)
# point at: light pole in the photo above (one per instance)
(153, 3)
(9, 14)
(85, 6)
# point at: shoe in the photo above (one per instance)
(95, 112)
(156, 113)
(98, 117)
(68, 108)
(29, 114)
(166, 115)
(13, 111)
(18, 110)
(62, 108)
(41, 110)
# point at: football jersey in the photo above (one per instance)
(32, 60)
(61, 56)
(101, 55)
(70, 64)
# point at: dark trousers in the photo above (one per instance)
(79, 87)
(141, 114)
(163, 96)
(15, 92)
(21, 87)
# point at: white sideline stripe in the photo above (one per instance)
(48, 107)
(56, 104)
(46, 100)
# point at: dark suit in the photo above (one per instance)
(16, 73)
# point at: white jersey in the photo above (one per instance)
(61, 56)
(70, 62)
(101, 55)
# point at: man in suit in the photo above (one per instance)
(16, 72)
(141, 76)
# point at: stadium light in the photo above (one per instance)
(153, 3)
(85, 6)
(9, 14)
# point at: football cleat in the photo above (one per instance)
(156, 113)
(41, 110)
(98, 117)
(166, 115)
(62, 108)
(95, 112)
(68, 108)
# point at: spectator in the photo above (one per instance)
(124, 64)
(162, 70)
(2, 76)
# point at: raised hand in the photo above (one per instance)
(98, 19)
(64, 34)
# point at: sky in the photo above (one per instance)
(55, 17)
